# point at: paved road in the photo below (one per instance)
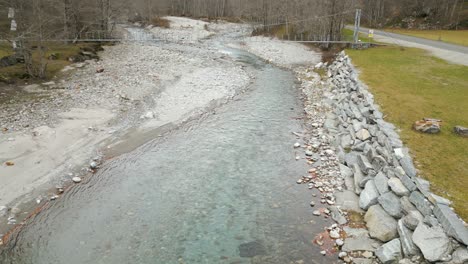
(449, 52)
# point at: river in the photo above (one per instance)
(218, 189)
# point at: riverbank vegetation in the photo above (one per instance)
(54, 56)
(409, 84)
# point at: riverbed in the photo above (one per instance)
(220, 188)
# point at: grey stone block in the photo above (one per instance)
(412, 219)
(397, 187)
(406, 205)
(460, 256)
(359, 179)
(423, 205)
(380, 224)
(408, 183)
(451, 223)
(433, 242)
(407, 165)
(391, 204)
(365, 165)
(381, 183)
(369, 196)
(406, 239)
(348, 201)
(390, 253)
(363, 243)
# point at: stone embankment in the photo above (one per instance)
(404, 221)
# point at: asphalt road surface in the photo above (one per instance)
(450, 52)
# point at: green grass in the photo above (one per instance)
(5, 49)
(459, 37)
(348, 35)
(64, 51)
(409, 84)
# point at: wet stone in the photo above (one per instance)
(252, 249)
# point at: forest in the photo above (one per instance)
(37, 21)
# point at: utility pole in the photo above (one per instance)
(357, 25)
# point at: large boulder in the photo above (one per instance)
(391, 204)
(369, 196)
(380, 224)
(433, 242)
(390, 253)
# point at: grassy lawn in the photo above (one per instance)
(348, 35)
(459, 37)
(409, 84)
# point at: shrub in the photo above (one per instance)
(160, 22)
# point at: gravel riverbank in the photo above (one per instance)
(54, 133)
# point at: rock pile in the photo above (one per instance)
(428, 125)
(462, 131)
(405, 222)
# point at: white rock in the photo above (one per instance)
(76, 179)
(363, 134)
(334, 234)
(339, 242)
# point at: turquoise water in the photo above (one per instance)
(220, 189)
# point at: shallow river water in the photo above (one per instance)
(220, 189)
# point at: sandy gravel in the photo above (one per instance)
(285, 54)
